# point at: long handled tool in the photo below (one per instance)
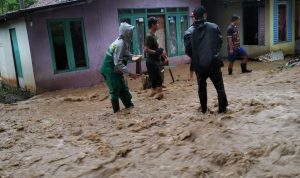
(170, 71)
(167, 65)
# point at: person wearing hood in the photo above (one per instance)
(203, 42)
(113, 67)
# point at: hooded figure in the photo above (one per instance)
(114, 66)
(203, 42)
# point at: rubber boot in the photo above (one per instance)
(230, 71)
(127, 103)
(223, 103)
(244, 68)
(116, 106)
(223, 110)
(203, 109)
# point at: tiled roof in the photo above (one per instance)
(44, 3)
(40, 5)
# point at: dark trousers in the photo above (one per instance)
(215, 76)
(155, 75)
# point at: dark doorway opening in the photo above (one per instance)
(250, 23)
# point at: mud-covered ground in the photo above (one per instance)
(73, 133)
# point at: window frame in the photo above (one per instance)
(68, 44)
(162, 11)
(289, 22)
(180, 46)
(286, 3)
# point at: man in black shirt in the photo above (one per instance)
(203, 42)
(154, 55)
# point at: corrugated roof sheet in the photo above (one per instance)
(40, 5)
(44, 3)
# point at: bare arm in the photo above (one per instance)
(230, 43)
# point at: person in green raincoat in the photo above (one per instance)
(113, 67)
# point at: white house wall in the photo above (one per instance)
(7, 67)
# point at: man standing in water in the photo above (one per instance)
(234, 47)
(203, 42)
(114, 67)
(155, 55)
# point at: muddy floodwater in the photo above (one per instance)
(73, 133)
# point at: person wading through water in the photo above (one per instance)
(113, 67)
(203, 42)
(155, 57)
(234, 47)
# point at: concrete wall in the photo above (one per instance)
(221, 14)
(297, 43)
(101, 26)
(286, 47)
(298, 15)
(6, 55)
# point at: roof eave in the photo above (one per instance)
(23, 12)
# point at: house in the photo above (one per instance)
(266, 25)
(58, 44)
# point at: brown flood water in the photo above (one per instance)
(72, 133)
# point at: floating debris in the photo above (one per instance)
(273, 56)
(293, 62)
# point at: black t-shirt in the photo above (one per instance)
(233, 32)
(151, 43)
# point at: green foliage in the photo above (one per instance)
(13, 5)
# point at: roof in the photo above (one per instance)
(40, 5)
(43, 3)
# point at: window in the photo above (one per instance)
(173, 24)
(297, 24)
(68, 45)
(254, 23)
(177, 24)
(140, 31)
(184, 25)
(140, 38)
(282, 22)
(173, 36)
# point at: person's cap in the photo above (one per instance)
(198, 12)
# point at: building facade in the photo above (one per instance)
(66, 45)
(266, 25)
(59, 45)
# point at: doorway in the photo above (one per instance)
(16, 56)
(250, 19)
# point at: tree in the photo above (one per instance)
(13, 5)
